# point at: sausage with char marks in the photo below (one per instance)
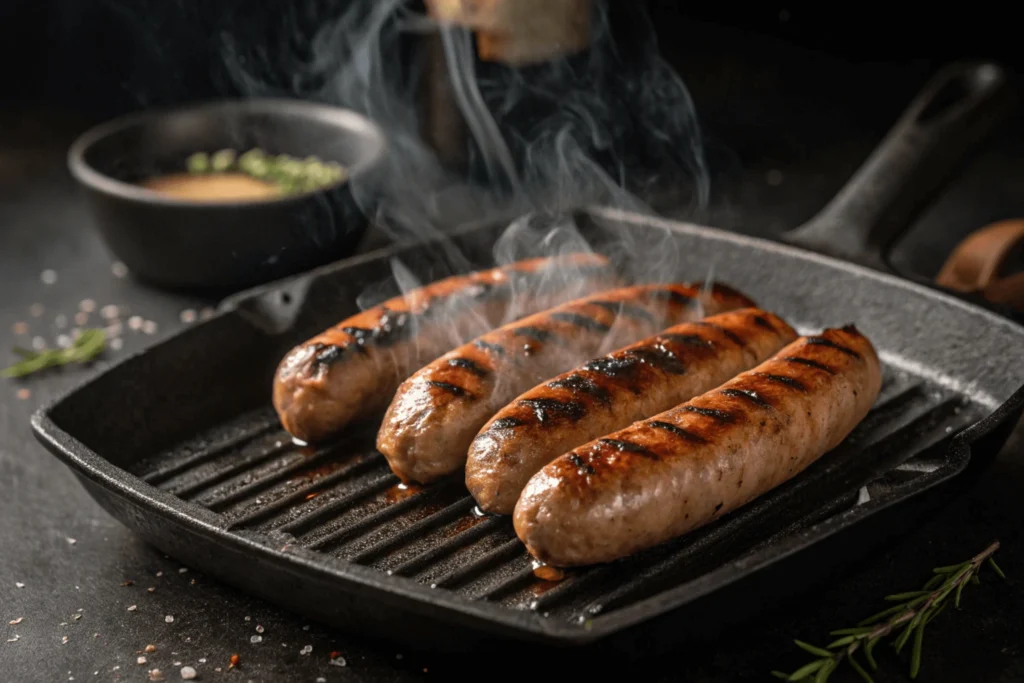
(664, 476)
(351, 371)
(612, 392)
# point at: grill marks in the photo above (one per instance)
(781, 379)
(714, 413)
(469, 366)
(822, 341)
(807, 362)
(579, 320)
(535, 333)
(550, 409)
(449, 388)
(628, 310)
(747, 395)
(628, 447)
(577, 384)
(729, 334)
(675, 430)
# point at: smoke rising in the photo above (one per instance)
(606, 126)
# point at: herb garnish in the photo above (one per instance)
(915, 611)
(88, 345)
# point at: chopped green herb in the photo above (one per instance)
(89, 345)
(289, 174)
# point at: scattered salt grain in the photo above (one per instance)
(338, 661)
(48, 276)
(140, 660)
(110, 312)
(71, 541)
(64, 640)
(187, 316)
(256, 639)
(202, 660)
(259, 629)
(116, 343)
(132, 608)
(169, 619)
(63, 341)
(248, 618)
(118, 269)
(177, 664)
(159, 573)
(188, 673)
(76, 617)
(217, 669)
(156, 675)
(150, 649)
(81, 318)
(306, 627)
(24, 393)
(38, 343)
(183, 570)
(15, 622)
(151, 589)
(19, 584)
(135, 322)
(61, 321)
(149, 327)
(306, 650)
(36, 310)
(87, 305)
(321, 680)
(20, 328)
(14, 638)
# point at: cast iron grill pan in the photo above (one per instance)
(180, 443)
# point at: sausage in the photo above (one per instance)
(612, 392)
(352, 370)
(428, 427)
(662, 477)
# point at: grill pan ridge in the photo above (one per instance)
(213, 480)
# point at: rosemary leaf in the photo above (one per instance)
(996, 569)
(89, 345)
(959, 590)
(884, 613)
(904, 637)
(842, 641)
(934, 582)
(806, 670)
(821, 652)
(781, 674)
(975, 580)
(870, 657)
(855, 631)
(915, 654)
(860, 669)
(900, 597)
(950, 569)
(935, 613)
(825, 671)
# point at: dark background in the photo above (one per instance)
(805, 98)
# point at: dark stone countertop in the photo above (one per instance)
(73, 558)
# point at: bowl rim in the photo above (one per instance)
(92, 178)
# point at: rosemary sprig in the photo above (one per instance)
(88, 345)
(916, 609)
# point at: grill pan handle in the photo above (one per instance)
(957, 109)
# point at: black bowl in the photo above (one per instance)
(225, 246)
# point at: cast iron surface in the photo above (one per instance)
(214, 481)
(225, 246)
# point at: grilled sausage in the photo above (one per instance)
(612, 392)
(664, 476)
(435, 414)
(352, 370)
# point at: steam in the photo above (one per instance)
(611, 126)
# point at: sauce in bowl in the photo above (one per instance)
(213, 187)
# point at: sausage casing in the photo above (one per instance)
(662, 477)
(612, 392)
(351, 371)
(435, 414)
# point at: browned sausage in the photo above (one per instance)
(436, 413)
(351, 371)
(659, 478)
(612, 392)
